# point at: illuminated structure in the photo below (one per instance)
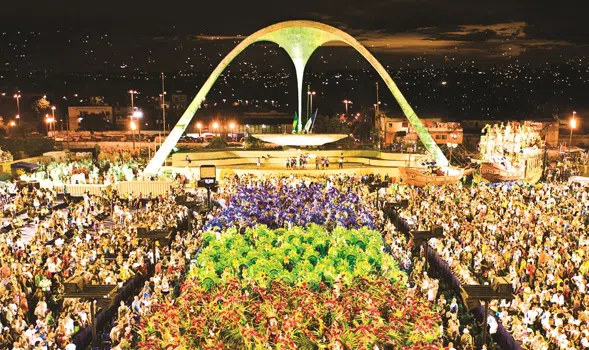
(299, 39)
(313, 140)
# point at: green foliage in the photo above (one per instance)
(329, 125)
(28, 147)
(217, 142)
(5, 177)
(41, 105)
(253, 143)
(298, 256)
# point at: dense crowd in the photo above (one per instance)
(87, 171)
(73, 242)
(536, 235)
(284, 201)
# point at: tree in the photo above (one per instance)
(361, 130)
(97, 101)
(217, 142)
(95, 122)
(41, 106)
(329, 125)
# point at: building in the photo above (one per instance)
(77, 114)
(244, 122)
(399, 130)
(121, 117)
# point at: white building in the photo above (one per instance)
(76, 114)
(393, 130)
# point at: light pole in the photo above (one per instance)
(49, 121)
(132, 92)
(53, 115)
(573, 125)
(133, 127)
(216, 127)
(12, 124)
(347, 102)
(199, 127)
(17, 97)
(231, 127)
(311, 94)
(163, 102)
(263, 128)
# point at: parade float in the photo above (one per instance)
(511, 152)
(274, 272)
(305, 288)
(431, 175)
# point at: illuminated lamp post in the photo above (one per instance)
(132, 92)
(48, 121)
(17, 97)
(573, 125)
(216, 127)
(133, 127)
(311, 94)
(263, 128)
(53, 114)
(138, 115)
(231, 127)
(347, 102)
(199, 127)
(11, 125)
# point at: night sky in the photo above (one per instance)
(503, 58)
(487, 31)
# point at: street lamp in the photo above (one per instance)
(133, 127)
(347, 102)
(48, 120)
(311, 94)
(199, 126)
(263, 128)
(231, 127)
(132, 92)
(216, 127)
(17, 97)
(573, 125)
(53, 112)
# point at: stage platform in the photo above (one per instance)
(357, 162)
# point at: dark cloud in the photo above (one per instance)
(485, 28)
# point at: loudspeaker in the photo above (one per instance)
(74, 284)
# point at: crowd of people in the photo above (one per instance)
(69, 243)
(302, 160)
(33, 201)
(535, 235)
(88, 171)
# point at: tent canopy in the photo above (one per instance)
(24, 165)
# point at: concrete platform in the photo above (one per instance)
(356, 162)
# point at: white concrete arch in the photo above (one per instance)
(299, 39)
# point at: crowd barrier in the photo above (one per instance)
(503, 338)
(79, 190)
(83, 338)
(156, 188)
